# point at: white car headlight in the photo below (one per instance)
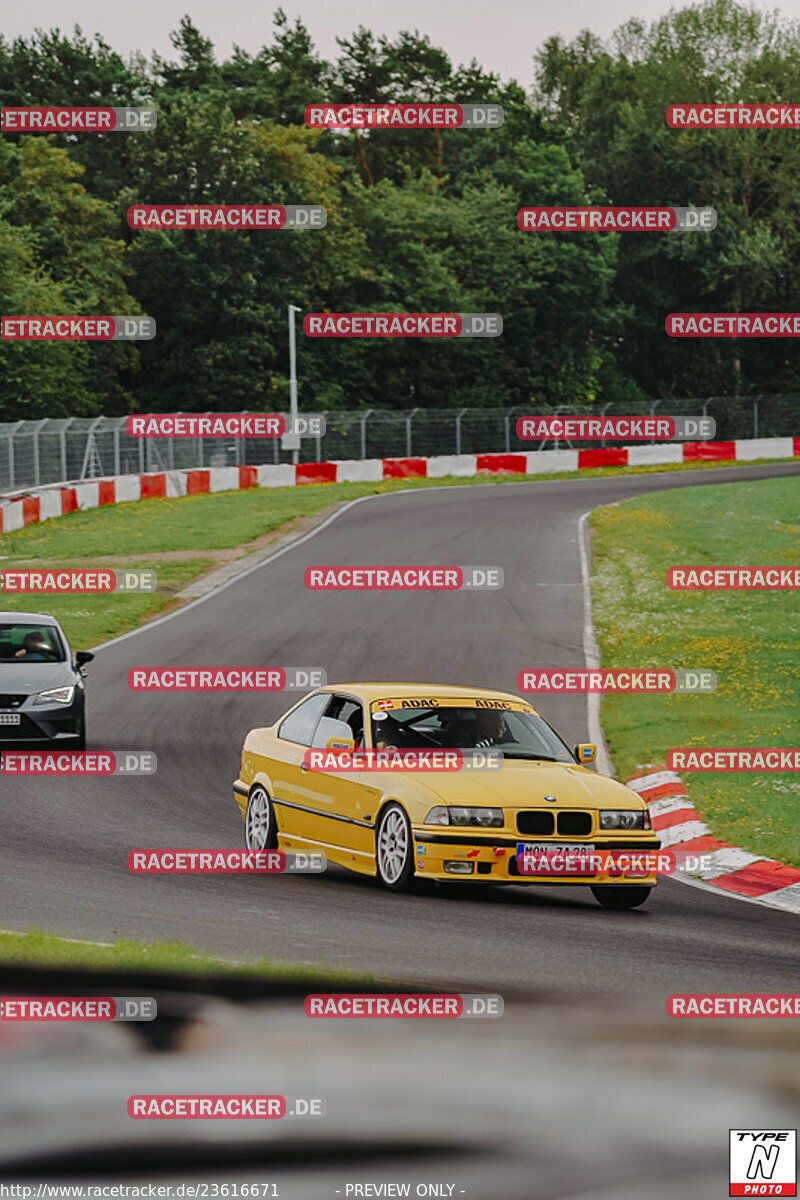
(62, 695)
(625, 818)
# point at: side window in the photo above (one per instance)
(342, 708)
(299, 725)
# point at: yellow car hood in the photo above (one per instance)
(524, 784)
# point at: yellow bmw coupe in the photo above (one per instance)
(469, 823)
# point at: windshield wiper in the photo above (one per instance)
(535, 757)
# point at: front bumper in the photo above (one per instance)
(44, 722)
(493, 859)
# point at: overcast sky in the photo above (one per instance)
(501, 34)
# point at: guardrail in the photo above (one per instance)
(35, 453)
(58, 500)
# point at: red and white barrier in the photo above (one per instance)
(57, 500)
(680, 827)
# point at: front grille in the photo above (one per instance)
(574, 824)
(7, 701)
(540, 822)
(26, 731)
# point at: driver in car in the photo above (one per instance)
(33, 643)
(490, 728)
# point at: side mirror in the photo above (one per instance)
(341, 744)
(333, 735)
(585, 752)
(83, 657)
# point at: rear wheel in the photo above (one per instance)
(620, 896)
(260, 828)
(393, 849)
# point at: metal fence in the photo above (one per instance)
(33, 453)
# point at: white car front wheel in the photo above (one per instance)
(394, 857)
(260, 830)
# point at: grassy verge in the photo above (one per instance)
(48, 950)
(88, 620)
(751, 639)
(231, 523)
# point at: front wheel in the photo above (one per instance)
(79, 742)
(260, 828)
(393, 849)
(620, 896)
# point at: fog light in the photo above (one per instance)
(459, 868)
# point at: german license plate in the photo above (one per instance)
(555, 848)
(10, 718)
(555, 858)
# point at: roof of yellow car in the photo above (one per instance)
(391, 691)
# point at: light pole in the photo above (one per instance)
(294, 443)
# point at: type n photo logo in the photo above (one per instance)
(763, 1162)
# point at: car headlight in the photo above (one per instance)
(625, 818)
(62, 695)
(486, 817)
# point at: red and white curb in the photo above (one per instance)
(57, 500)
(679, 825)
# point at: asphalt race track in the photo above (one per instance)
(65, 841)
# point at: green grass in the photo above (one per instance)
(197, 525)
(226, 519)
(48, 950)
(751, 639)
(88, 620)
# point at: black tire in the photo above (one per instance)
(620, 896)
(260, 826)
(79, 743)
(394, 849)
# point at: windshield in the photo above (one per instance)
(30, 644)
(518, 732)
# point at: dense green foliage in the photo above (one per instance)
(417, 221)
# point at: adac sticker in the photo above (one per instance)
(385, 704)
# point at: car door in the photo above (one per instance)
(338, 799)
(294, 736)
